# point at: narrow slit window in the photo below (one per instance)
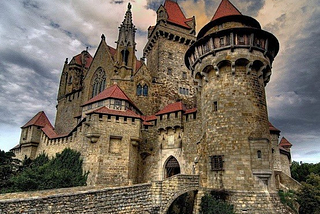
(215, 106)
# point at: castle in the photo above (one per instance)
(193, 105)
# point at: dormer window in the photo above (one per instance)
(117, 104)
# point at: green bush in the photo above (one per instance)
(288, 198)
(64, 170)
(211, 204)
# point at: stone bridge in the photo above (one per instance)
(166, 191)
(155, 198)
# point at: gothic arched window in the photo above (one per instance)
(145, 90)
(139, 90)
(125, 56)
(99, 82)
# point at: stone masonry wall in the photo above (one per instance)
(133, 199)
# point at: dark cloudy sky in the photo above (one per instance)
(37, 35)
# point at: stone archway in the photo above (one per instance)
(183, 204)
(172, 167)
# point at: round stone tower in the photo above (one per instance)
(231, 64)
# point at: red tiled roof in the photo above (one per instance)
(126, 113)
(189, 111)
(138, 64)
(40, 119)
(147, 123)
(111, 92)
(112, 51)
(175, 14)
(273, 129)
(78, 60)
(173, 107)
(226, 8)
(285, 143)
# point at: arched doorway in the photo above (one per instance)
(172, 167)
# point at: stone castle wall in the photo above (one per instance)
(134, 199)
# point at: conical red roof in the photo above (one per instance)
(40, 119)
(226, 8)
(285, 143)
(175, 14)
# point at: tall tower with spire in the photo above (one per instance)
(126, 46)
(231, 63)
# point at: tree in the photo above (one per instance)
(301, 171)
(210, 204)
(309, 195)
(64, 170)
(8, 167)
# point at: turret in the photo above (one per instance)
(125, 62)
(231, 64)
(167, 43)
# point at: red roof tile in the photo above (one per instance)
(78, 60)
(111, 92)
(285, 143)
(40, 119)
(175, 14)
(189, 111)
(273, 129)
(126, 113)
(178, 106)
(226, 8)
(49, 131)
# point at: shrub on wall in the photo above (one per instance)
(214, 203)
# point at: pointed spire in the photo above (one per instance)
(226, 8)
(127, 30)
(128, 17)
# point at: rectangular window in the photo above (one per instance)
(169, 71)
(170, 55)
(216, 162)
(221, 41)
(241, 40)
(184, 75)
(215, 106)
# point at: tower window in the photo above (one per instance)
(169, 71)
(125, 56)
(215, 106)
(70, 80)
(241, 40)
(170, 55)
(183, 91)
(259, 154)
(145, 90)
(184, 75)
(139, 90)
(216, 162)
(221, 41)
